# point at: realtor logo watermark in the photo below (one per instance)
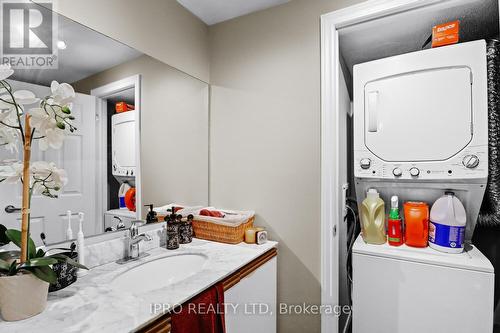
(29, 34)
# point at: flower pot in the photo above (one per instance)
(22, 296)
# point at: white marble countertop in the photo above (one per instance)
(91, 305)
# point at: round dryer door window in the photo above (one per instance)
(419, 116)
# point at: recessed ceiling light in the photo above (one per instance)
(61, 45)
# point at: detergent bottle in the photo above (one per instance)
(416, 223)
(124, 187)
(372, 217)
(447, 224)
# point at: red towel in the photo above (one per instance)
(204, 313)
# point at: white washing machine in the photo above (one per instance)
(421, 128)
(405, 289)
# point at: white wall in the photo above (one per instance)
(265, 137)
(162, 29)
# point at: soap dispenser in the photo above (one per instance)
(152, 216)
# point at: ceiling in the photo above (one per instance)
(215, 11)
(88, 52)
(407, 32)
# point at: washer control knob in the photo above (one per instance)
(397, 172)
(414, 172)
(365, 163)
(470, 161)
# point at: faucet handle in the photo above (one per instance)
(134, 229)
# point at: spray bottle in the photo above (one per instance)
(394, 224)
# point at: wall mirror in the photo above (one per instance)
(142, 127)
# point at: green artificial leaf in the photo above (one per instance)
(13, 268)
(61, 125)
(40, 253)
(10, 255)
(4, 265)
(44, 273)
(63, 258)
(37, 262)
(66, 109)
(15, 236)
(3, 237)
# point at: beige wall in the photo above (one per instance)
(162, 29)
(174, 130)
(265, 136)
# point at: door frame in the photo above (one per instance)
(332, 198)
(102, 93)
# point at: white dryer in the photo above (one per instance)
(421, 125)
(123, 144)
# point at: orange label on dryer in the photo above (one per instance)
(445, 34)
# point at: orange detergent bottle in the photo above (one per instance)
(416, 223)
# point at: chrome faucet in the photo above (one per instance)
(132, 239)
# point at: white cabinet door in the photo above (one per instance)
(251, 303)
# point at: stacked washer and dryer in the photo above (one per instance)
(421, 128)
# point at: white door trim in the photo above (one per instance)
(331, 189)
(103, 92)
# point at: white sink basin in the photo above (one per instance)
(159, 273)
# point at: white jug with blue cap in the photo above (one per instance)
(447, 224)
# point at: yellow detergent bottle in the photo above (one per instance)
(372, 218)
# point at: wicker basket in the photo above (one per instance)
(221, 233)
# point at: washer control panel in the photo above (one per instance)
(470, 164)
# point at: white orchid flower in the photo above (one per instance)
(41, 121)
(22, 97)
(62, 93)
(4, 113)
(8, 138)
(46, 174)
(5, 106)
(11, 171)
(53, 138)
(25, 97)
(5, 71)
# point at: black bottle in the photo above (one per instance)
(186, 230)
(152, 216)
(172, 232)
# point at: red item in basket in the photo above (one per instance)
(212, 213)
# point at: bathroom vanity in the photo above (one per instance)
(137, 296)
(252, 289)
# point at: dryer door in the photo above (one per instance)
(419, 116)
